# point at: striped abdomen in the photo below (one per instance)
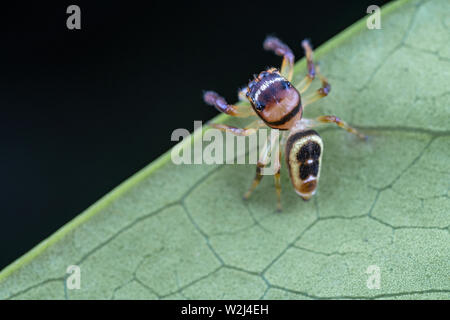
(304, 155)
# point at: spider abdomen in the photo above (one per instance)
(303, 156)
(275, 100)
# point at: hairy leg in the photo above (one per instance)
(303, 85)
(281, 49)
(251, 129)
(213, 99)
(262, 162)
(323, 91)
(312, 123)
(277, 178)
(342, 124)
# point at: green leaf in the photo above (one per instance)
(183, 231)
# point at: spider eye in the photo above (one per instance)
(263, 74)
(286, 85)
(259, 106)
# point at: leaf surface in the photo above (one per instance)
(174, 232)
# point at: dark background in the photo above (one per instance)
(82, 110)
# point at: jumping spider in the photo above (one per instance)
(279, 105)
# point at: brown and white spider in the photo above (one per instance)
(279, 105)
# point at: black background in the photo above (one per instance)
(82, 110)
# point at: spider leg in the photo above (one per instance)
(251, 129)
(277, 178)
(311, 123)
(213, 99)
(262, 162)
(319, 93)
(342, 124)
(281, 49)
(303, 85)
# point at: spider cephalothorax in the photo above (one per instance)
(278, 104)
(275, 99)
